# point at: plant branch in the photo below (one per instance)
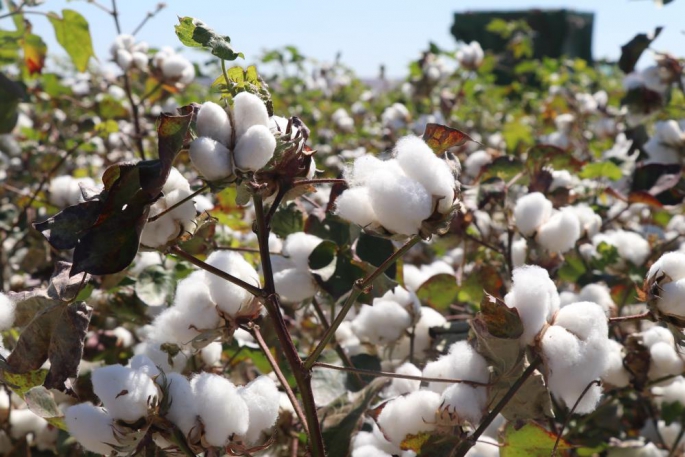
(313, 182)
(178, 203)
(632, 317)
(279, 374)
(254, 290)
(358, 288)
(148, 16)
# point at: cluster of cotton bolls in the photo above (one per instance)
(668, 142)
(555, 230)
(470, 56)
(173, 66)
(241, 141)
(342, 120)
(630, 246)
(386, 319)
(176, 221)
(562, 137)
(400, 193)
(207, 406)
(66, 190)
(129, 54)
(395, 116)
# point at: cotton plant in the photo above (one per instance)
(555, 230)
(470, 56)
(173, 67)
(128, 53)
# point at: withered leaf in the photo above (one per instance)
(440, 137)
(501, 321)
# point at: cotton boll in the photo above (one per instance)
(354, 205)
(261, 397)
(229, 297)
(221, 409)
(299, 246)
(669, 132)
(465, 402)
(213, 122)
(462, 362)
(294, 285)
(408, 300)
(7, 307)
(210, 158)
(560, 232)
(382, 323)
(369, 450)
(248, 110)
(600, 294)
(255, 148)
(630, 246)
(665, 361)
(615, 373)
(124, 59)
(409, 415)
(143, 364)
(672, 298)
(475, 162)
(590, 222)
(125, 392)
(177, 67)
(671, 393)
(519, 252)
(531, 211)
(194, 302)
(184, 212)
(657, 334)
(162, 359)
(535, 297)
(24, 421)
(175, 181)
(91, 426)
(671, 264)
(400, 203)
(585, 320)
(159, 232)
(211, 354)
(400, 386)
(183, 410)
(429, 318)
(363, 169)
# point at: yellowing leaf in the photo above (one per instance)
(531, 441)
(415, 442)
(34, 53)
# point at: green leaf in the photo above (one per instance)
(155, 285)
(439, 292)
(601, 170)
(323, 255)
(531, 440)
(632, 50)
(504, 167)
(287, 220)
(73, 33)
(11, 93)
(195, 33)
(375, 251)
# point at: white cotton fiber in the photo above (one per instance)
(213, 122)
(229, 297)
(484, 447)
(7, 307)
(465, 402)
(193, 300)
(160, 358)
(560, 232)
(422, 339)
(299, 246)
(172, 326)
(261, 397)
(665, 361)
(409, 415)
(124, 59)
(183, 409)
(160, 232)
(584, 319)
(294, 285)
(671, 393)
(400, 203)
(364, 169)
(672, 298)
(408, 300)
(369, 450)
(143, 364)
(630, 245)
(354, 205)
(175, 181)
(178, 67)
(254, 148)
(535, 297)
(657, 334)
(91, 426)
(125, 392)
(475, 162)
(399, 386)
(671, 264)
(24, 421)
(615, 373)
(461, 362)
(184, 212)
(211, 354)
(590, 222)
(519, 252)
(382, 323)
(211, 158)
(248, 110)
(600, 294)
(221, 409)
(531, 211)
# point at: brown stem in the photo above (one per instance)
(148, 16)
(281, 377)
(177, 204)
(254, 290)
(313, 182)
(241, 249)
(632, 317)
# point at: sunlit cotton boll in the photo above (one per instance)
(91, 426)
(615, 373)
(66, 191)
(294, 285)
(178, 68)
(464, 401)
(299, 246)
(354, 205)
(665, 361)
(461, 362)
(248, 110)
(213, 122)
(409, 415)
(531, 211)
(261, 397)
(382, 323)
(255, 148)
(560, 232)
(535, 297)
(671, 264)
(7, 308)
(221, 409)
(230, 298)
(400, 386)
(183, 409)
(125, 392)
(211, 158)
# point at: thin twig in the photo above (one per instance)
(241, 249)
(178, 203)
(632, 317)
(570, 413)
(148, 16)
(313, 182)
(281, 377)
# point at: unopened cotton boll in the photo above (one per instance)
(535, 297)
(7, 307)
(560, 232)
(354, 205)
(248, 110)
(255, 148)
(125, 392)
(382, 323)
(230, 298)
(409, 415)
(294, 285)
(221, 409)
(400, 386)
(400, 203)
(261, 397)
(213, 122)
(91, 426)
(531, 211)
(211, 158)
(183, 409)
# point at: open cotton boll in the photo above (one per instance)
(211, 354)
(409, 415)
(229, 297)
(178, 67)
(175, 181)
(672, 298)
(615, 373)
(299, 246)
(657, 334)
(354, 205)
(531, 211)
(369, 450)
(221, 409)
(91, 426)
(210, 158)
(7, 307)
(560, 232)
(261, 397)
(422, 339)
(671, 393)
(475, 162)
(159, 232)
(363, 169)
(465, 402)
(294, 285)
(213, 122)
(254, 148)
(382, 323)
(185, 211)
(461, 362)
(400, 203)
(630, 245)
(669, 132)
(600, 294)
(124, 59)
(665, 361)
(585, 320)
(24, 421)
(160, 358)
(193, 300)
(125, 392)
(671, 264)
(400, 386)
(535, 297)
(519, 252)
(172, 326)
(408, 300)
(248, 110)
(183, 410)
(376, 440)
(590, 222)
(143, 364)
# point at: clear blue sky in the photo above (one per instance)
(368, 32)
